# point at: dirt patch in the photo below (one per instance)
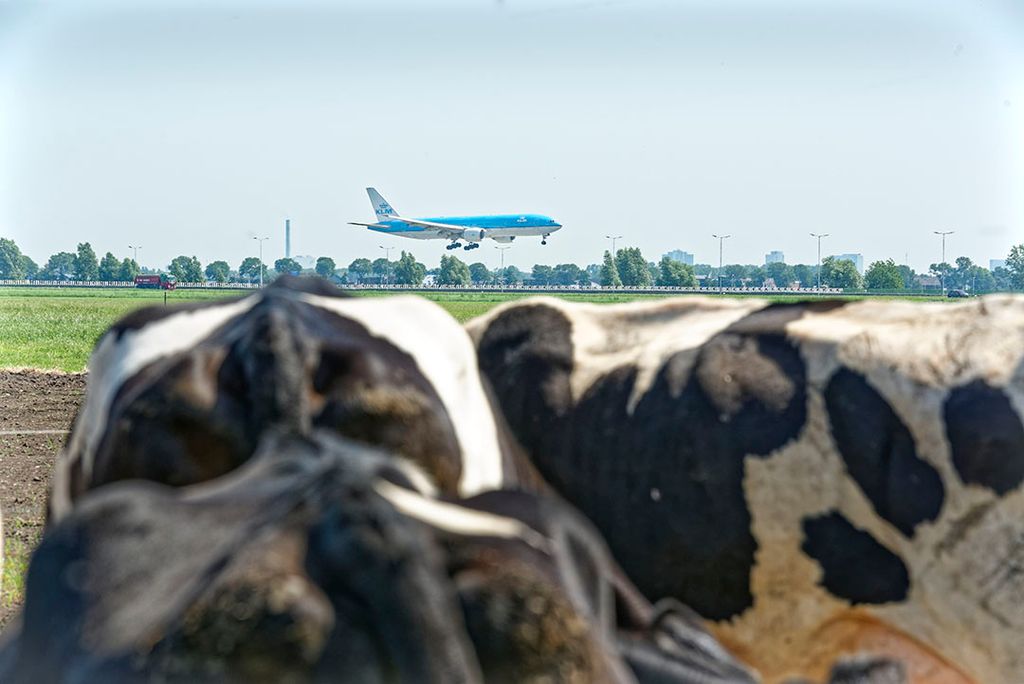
(35, 408)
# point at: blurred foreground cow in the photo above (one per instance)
(182, 395)
(321, 560)
(209, 522)
(814, 479)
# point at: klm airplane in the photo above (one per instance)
(472, 229)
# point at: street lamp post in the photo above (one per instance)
(721, 239)
(942, 277)
(135, 252)
(261, 240)
(387, 258)
(613, 238)
(819, 236)
(502, 248)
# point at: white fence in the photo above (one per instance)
(653, 289)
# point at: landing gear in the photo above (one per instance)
(544, 240)
(472, 245)
(455, 245)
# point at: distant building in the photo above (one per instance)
(774, 257)
(857, 259)
(680, 255)
(993, 264)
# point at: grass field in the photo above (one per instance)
(56, 328)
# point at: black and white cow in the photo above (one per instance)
(183, 394)
(324, 560)
(812, 478)
(206, 523)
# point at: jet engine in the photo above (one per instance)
(473, 234)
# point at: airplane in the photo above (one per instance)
(472, 229)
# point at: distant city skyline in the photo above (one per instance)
(193, 127)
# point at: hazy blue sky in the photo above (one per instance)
(190, 127)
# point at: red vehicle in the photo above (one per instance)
(156, 282)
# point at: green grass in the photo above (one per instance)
(16, 557)
(56, 328)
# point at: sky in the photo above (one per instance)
(192, 127)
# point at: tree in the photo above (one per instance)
(187, 269)
(569, 274)
(840, 273)
(128, 270)
(963, 274)
(109, 267)
(780, 273)
(287, 266)
(453, 271)
(479, 273)
(325, 267)
(805, 275)
(510, 276)
(672, 273)
(60, 266)
(943, 271)
(908, 275)
(632, 267)
(883, 275)
(980, 279)
(360, 269)
(381, 268)
(250, 269)
(609, 276)
(1002, 278)
(12, 265)
(733, 275)
(30, 267)
(755, 276)
(542, 275)
(86, 266)
(218, 271)
(408, 271)
(1015, 266)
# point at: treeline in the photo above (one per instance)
(81, 264)
(627, 267)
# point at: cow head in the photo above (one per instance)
(180, 395)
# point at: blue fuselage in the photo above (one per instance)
(496, 226)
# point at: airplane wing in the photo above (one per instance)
(452, 229)
(368, 225)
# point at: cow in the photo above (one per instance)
(181, 395)
(323, 559)
(814, 479)
(203, 521)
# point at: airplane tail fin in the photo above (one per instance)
(380, 205)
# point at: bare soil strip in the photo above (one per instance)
(36, 408)
(33, 432)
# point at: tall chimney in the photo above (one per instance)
(287, 238)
